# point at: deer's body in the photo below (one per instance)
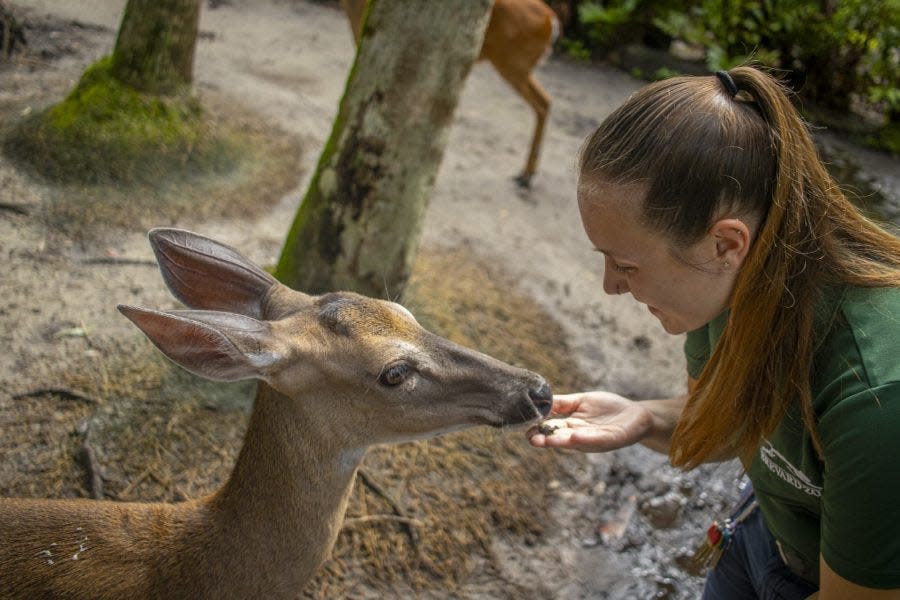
(519, 34)
(265, 532)
(87, 549)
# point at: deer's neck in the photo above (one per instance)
(284, 503)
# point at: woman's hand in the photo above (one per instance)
(592, 422)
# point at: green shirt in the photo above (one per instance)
(849, 506)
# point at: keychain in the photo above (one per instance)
(718, 537)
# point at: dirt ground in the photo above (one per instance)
(514, 266)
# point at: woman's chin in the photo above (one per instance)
(671, 327)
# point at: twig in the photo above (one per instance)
(353, 521)
(63, 392)
(134, 483)
(22, 209)
(112, 260)
(165, 483)
(88, 459)
(35, 62)
(370, 483)
(10, 32)
(409, 524)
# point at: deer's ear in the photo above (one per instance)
(208, 275)
(215, 345)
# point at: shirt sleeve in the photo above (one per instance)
(860, 532)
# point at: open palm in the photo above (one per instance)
(592, 422)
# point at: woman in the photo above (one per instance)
(708, 201)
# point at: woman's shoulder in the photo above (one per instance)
(873, 314)
(865, 332)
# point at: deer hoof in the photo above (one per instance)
(523, 180)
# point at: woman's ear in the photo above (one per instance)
(733, 239)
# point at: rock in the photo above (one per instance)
(664, 511)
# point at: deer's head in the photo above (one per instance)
(360, 361)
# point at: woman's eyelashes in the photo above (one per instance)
(612, 263)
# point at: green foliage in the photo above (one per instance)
(575, 48)
(663, 73)
(731, 32)
(614, 14)
(883, 51)
(842, 55)
(105, 130)
(888, 137)
(618, 22)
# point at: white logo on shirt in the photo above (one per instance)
(780, 466)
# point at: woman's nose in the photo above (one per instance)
(613, 281)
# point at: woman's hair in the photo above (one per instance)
(704, 153)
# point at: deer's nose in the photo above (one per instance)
(541, 397)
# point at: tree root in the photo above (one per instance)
(62, 392)
(87, 457)
(400, 515)
(21, 209)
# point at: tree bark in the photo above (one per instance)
(359, 224)
(11, 32)
(154, 50)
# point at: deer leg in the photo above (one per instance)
(355, 10)
(539, 100)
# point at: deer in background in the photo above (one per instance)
(519, 34)
(337, 373)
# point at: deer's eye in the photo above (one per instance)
(394, 374)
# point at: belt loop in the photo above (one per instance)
(797, 565)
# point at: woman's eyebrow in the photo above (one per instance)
(605, 252)
(617, 258)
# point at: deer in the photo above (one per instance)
(519, 35)
(336, 373)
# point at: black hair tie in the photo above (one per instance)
(728, 82)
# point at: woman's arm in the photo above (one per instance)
(834, 587)
(665, 417)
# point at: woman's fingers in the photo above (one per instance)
(586, 440)
(580, 434)
(565, 404)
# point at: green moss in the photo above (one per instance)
(105, 130)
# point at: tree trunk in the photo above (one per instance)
(359, 225)
(154, 51)
(11, 32)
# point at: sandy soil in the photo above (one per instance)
(288, 61)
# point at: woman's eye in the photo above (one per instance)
(394, 374)
(622, 269)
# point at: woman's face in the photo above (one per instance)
(684, 288)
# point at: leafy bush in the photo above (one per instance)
(843, 55)
(608, 25)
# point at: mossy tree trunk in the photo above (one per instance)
(154, 50)
(359, 224)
